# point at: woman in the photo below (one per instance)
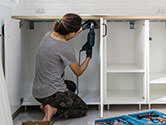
(54, 54)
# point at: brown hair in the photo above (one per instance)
(69, 23)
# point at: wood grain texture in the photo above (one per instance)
(48, 17)
(92, 17)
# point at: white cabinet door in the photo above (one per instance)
(13, 65)
(103, 33)
(5, 113)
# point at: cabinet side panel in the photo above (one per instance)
(120, 43)
(157, 47)
(25, 48)
(13, 71)
(139, 43)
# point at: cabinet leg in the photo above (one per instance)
(149, 106)
(101, 109)
(108, 107)
(98, 107)
(25, 108)
(140, 107)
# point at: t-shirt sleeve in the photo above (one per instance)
(68, 56)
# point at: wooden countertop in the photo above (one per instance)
(49, 17)
(92, 17)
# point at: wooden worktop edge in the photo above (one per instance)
(92, 17)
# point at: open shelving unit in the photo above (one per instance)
(157, 60)
(125, 63)
(127, 67)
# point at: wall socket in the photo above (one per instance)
(161, 10)
(15, 1)
(40, 10)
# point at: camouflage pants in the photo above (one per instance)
(69, 104)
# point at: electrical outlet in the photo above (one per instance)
(40, 10)
(161, 10)
(15, 1)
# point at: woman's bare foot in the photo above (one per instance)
(42, 107)
(49, 112)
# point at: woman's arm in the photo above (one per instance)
(77, 69)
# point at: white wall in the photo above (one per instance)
(5, 2)
(89, 7)
(19, 8)
(59, 7)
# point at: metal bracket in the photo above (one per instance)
(131, 24)
(140, 107)
(20, 24)
(149, 107)
(31, 25)
(21, 101)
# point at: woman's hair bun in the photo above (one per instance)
(69, 23)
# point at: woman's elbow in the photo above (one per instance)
(78, 74)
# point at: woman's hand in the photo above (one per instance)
(79, 30)
(87, 24)
(89, 53)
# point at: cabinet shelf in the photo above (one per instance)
(125, 88)
(30, 100)
(158, 97)
(123, 97)
(90, 97)
(126, 68)
(157, 78)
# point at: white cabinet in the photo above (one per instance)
(157, 60)
(21, 47)
(126, 67)
(125, 54)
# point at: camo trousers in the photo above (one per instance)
(69, 104)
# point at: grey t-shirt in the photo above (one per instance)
(51, 59)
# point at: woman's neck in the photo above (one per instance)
(58, 36)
